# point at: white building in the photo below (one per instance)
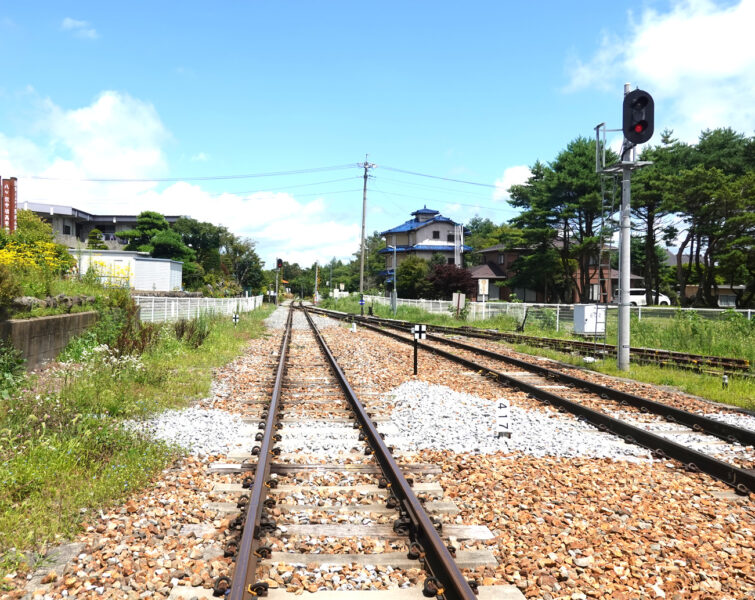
(426, 234)
(71, 226)
(136, 270)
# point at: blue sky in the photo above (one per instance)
(478, 92)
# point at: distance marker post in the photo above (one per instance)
(420, 333)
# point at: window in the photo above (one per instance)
(451, 261)
(451, 238)
(66, 230)
(501, 259)
(436, 235)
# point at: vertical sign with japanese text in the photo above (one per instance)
(8, 204)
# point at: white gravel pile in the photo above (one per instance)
(436, 417)
(743, 420)
(277, 320)
(202, 432)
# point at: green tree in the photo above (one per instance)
(242, 262)
(650, 205)
(148, 224)
(205, 239)
(94, 240)
(411, 278)
(30, 228)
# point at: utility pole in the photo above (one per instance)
(315, 296)
(367, 166)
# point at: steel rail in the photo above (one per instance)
(742, 480)
(649, 355)
(729, 433)
(702, 424)
(245, 571)
(438, 559)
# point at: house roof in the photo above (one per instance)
(425, 211)
(424, 248)
(81, 215)
(413, 224)
(488, 271)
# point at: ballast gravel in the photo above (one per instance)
(277, 320)
(434, 417)
(201, 431)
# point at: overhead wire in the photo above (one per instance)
(434, 188)
(446, 202)
(415, 173)
(177, 179)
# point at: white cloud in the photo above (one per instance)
(516, 175)
(80, 29)
(121, 137)
(200, 157)
(698, 61)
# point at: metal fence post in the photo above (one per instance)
(639, 313)
(152, 319)
(558, 312)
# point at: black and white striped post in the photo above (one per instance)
(420, 333)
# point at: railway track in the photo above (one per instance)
(290, 521)
(588, 400)
(697, 362)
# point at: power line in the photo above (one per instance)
(446, 202)
(177, 179)
(487, 185)
(287, 187)
(435, 188)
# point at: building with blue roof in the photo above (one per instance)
(425, 234)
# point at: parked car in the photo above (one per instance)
(637, 297)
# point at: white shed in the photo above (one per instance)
(157, 274)
(136, 270)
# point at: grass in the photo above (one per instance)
(731, 336)
(63, 449)
(42, 286)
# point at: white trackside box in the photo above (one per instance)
(589, 319)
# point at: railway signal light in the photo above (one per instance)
(638, 116)
(280, 263)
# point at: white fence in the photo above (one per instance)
(558, 316)
(159, 309)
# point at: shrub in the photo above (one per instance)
(194, 332)
(9, 289)
(11, 369)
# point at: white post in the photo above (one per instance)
(639, 313)
(558, 312)
(153, 309)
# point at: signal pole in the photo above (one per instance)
(638, 123)
(622, 353)
(367, 166)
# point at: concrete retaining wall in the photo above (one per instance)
(40, 340)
